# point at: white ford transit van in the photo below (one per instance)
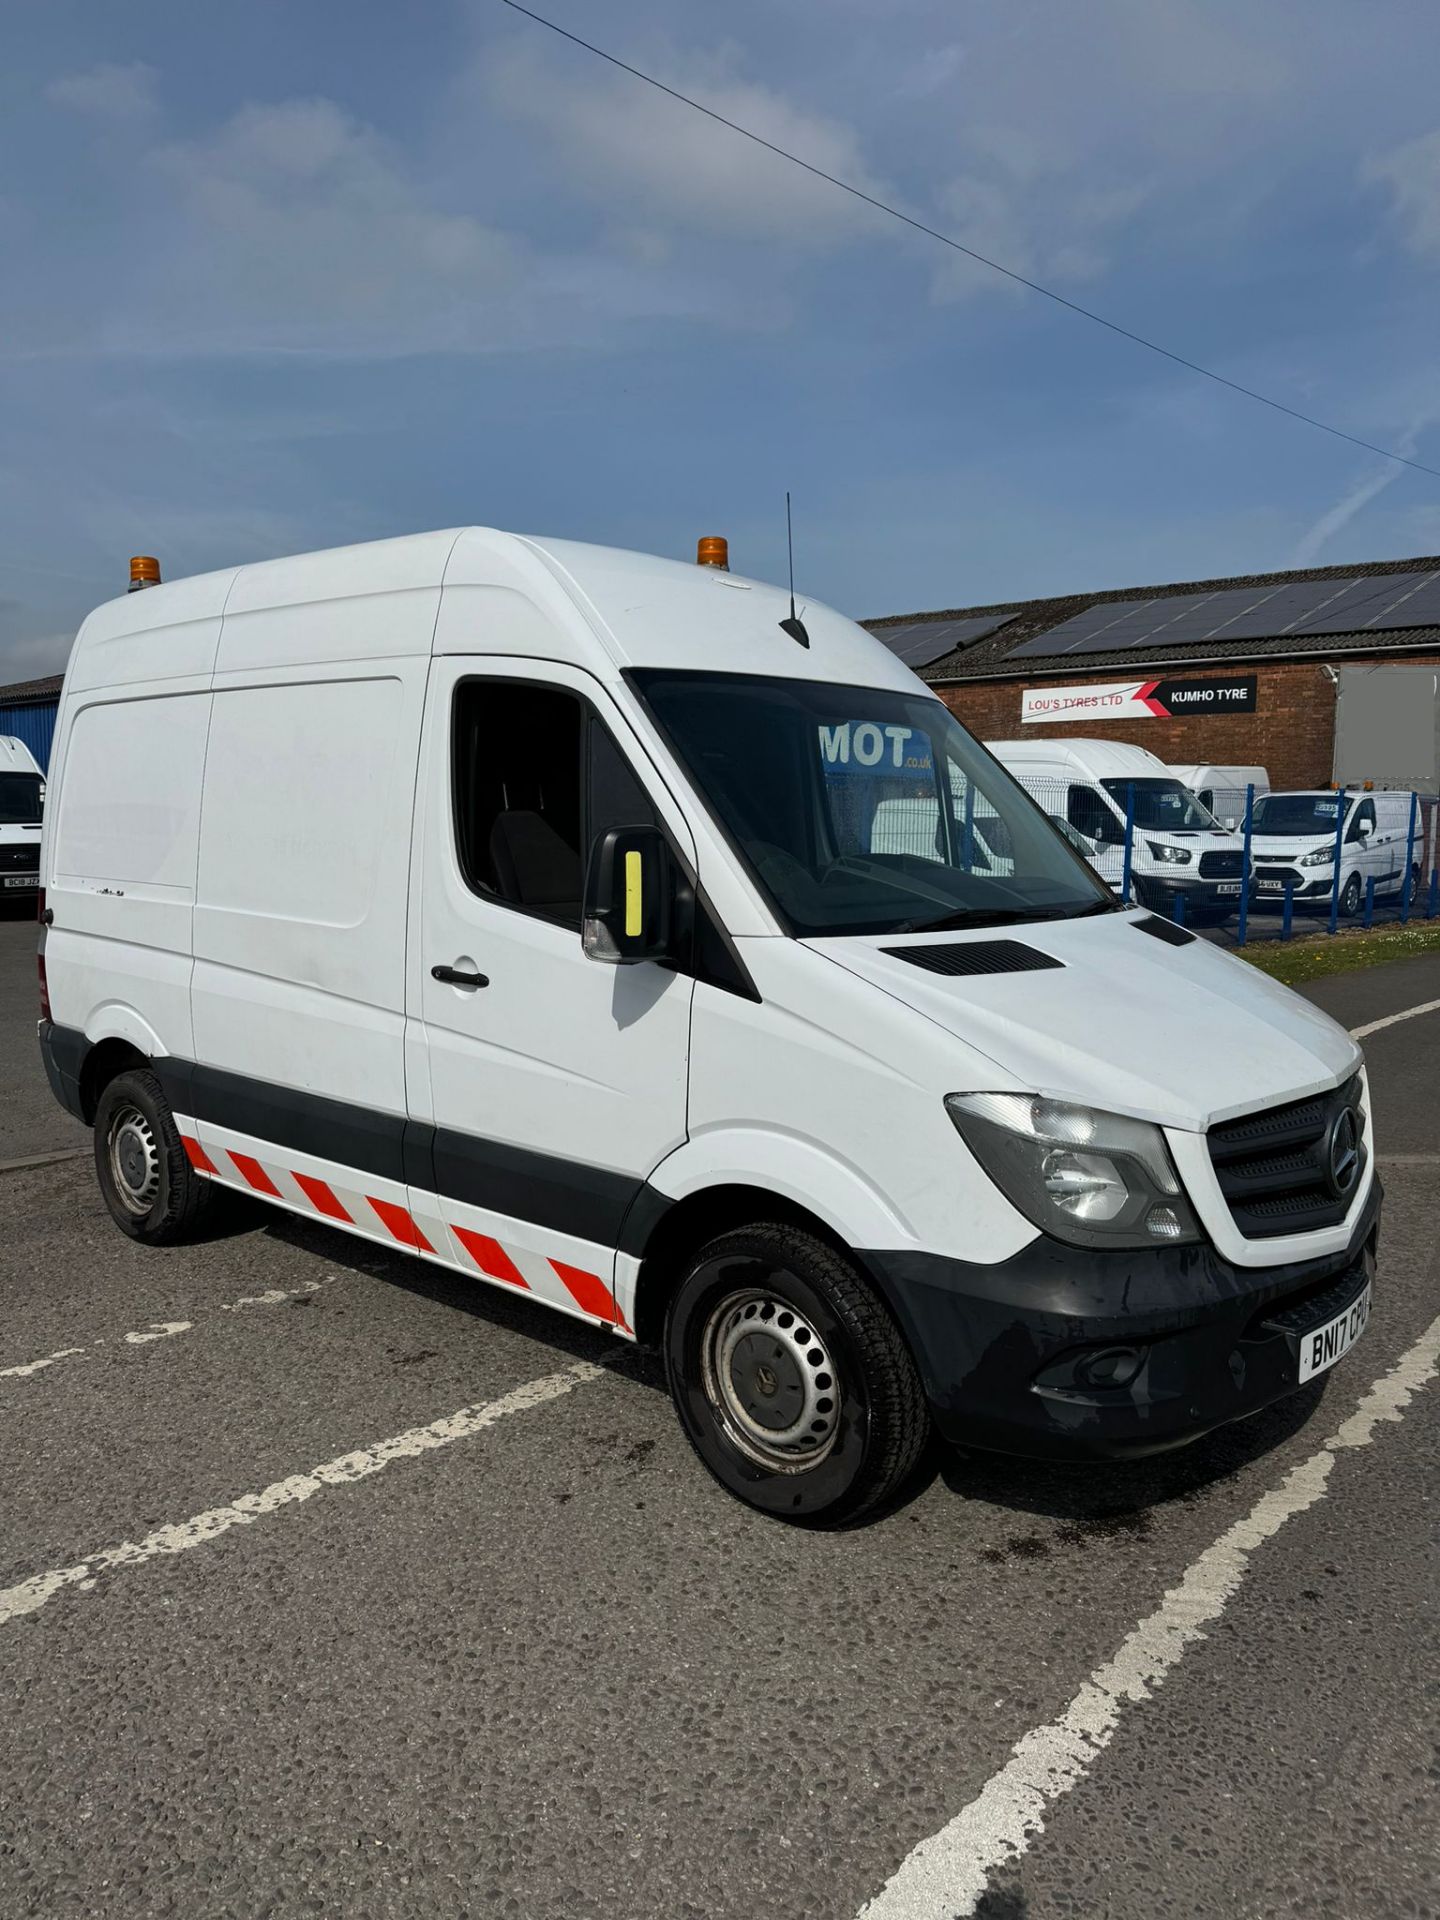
(1177, 849)
(22, 798)
(515, 903)
(1293, 842)
(1222, 790)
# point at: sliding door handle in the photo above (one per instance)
(458, 977)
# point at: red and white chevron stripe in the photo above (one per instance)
(562, 1272)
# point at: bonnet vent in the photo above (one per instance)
(1165, 930)
(975, 956)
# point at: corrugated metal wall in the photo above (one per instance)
(34, 724)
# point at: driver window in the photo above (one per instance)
(536, 778)
(1088, 813)
(1364, 819)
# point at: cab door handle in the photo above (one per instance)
(458, 977)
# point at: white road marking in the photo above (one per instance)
(29, 1160)
(945, 1877)
(272, 1296)
(32, 1594)
(34, 1366)
(158, 1330)
(1374, 1026)
(168, 1329)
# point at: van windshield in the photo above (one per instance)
(861, 810)
(19, 799)
(1297, 816)
(1162, 806)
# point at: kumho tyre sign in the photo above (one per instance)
(1138, 700)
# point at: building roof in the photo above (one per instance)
(22, 693)
(987, 658)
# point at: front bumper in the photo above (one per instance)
(1159, 892)
(980, 1335)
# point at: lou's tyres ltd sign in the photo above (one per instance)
(1139, 700)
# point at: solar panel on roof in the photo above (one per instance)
(918, 642)
(1362, 603)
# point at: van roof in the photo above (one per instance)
(1101, 759)
(634, 609)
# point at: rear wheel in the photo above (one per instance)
(146, 1180)
(792, 1382)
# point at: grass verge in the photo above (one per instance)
(1314, 955)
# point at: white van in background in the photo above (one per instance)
(1293, 843)
(513, 904)
(22, 801)
(1222, 790)
(1178, 848)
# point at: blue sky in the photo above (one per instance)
(286, 275)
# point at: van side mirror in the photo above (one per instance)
(629, 897)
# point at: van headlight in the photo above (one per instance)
(1095, 1179)
(1169, 856)
(1322, 857)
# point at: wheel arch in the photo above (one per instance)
(700, 1216)
(102, 1063)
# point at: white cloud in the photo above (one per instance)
(116, 93)
(300, 230)
(930, 73)
(1412, 175)
(1021, 207)
(649, 159)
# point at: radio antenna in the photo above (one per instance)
(794, 626)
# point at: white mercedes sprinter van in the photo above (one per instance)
(515, 903)
(1178, 848)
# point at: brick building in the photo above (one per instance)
(1248, 671)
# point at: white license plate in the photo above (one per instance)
(1327, 1344)
(1271, 886)
(1228, 886)
(31, 880)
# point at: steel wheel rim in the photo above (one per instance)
(134, 1159)
(770, 1381)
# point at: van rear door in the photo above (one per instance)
(556, 1083)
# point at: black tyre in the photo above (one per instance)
(147, 1182)
(1350, 897)
(792, 1382)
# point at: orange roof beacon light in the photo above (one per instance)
(713, 550)
(144, 571)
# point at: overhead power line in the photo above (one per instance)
(947, 240)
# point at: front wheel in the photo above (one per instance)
(792, 1382)
(1350, 897)
(146, 1180)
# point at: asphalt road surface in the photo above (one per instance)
(280, 1636)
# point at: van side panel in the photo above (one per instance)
(120, 865)
(304, 866)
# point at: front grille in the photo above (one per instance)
(1273, 1167)
(1222, 866)
(20, 859)
(976, 956)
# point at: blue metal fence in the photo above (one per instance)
(1383, 867)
